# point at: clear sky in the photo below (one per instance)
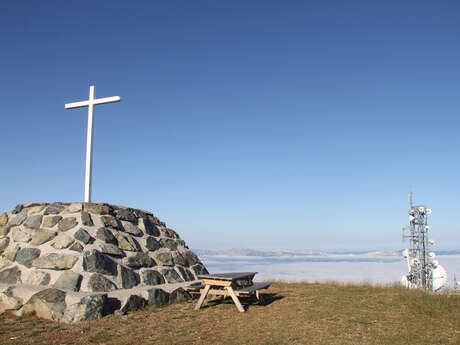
(265, 124)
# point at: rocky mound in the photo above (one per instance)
(77, 261)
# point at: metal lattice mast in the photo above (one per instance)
(418, 259)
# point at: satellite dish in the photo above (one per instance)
(421, 208)
(405, 253)
(405, 282)
(428, 211)
(431, 242)
(432, 255)
(439, 278)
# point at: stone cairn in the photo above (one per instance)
(78, 261)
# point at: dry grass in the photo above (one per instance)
(297, 313)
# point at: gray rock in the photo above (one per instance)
(139, 260)
(171, 233)
(179, 296)
(4, 230)
(97, 282)
(147, 226)
(127, 278)
(55, 261)
(75, 207)
(163, 259)
(127, 242)
(54, 209)
(34, 205)
(68, 280)
(62, 241)
(171, 276)
(199, 269)
(185, 273)
(11, 251)
(47, 304)
(110, 222)
(190, 258)
(155, 220)
(50, 221)
(89, 308)
(126, 214)
(35, 208)
(168, 243)
(152, 244)
(106, 236)
(9, 302)
(133, 303)
(10, 275)
(83, 236)
(67, 223)
(96, 208)
(4, 243)
(157, 297)
(178, 258)
(110, 249)
(17, 209)
(25, 256)
(21, 235)
(18, 219)
(38, 278)
(3, 219)
(4, 262)
(132, 229)
(76, 247)
(86, 219)
(152, 277)
(141, 213)
(97, 262)
(42, 236)
(33, 221)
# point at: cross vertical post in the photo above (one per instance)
(90, 103)
(89, 146)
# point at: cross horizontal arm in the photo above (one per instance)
(94, 102)
(106, 100)
(76, 104)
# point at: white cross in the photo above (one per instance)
(90, 103)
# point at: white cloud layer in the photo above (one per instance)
(344, 269)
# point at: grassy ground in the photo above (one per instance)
(296, 313)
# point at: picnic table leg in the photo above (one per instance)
(260, 298)
(204, 293)
(235, 299)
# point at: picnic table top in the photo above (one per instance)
(227, 276)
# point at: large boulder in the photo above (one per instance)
(48, 304)
(89, 308)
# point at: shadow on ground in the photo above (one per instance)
(267, 299)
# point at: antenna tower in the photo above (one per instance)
(420, 263)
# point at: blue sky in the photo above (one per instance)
(266, 124)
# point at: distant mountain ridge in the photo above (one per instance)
(287, 252)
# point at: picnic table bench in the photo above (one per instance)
(234, 284)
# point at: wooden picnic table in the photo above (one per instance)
(233, 284)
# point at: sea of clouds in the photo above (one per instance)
(345, 268)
